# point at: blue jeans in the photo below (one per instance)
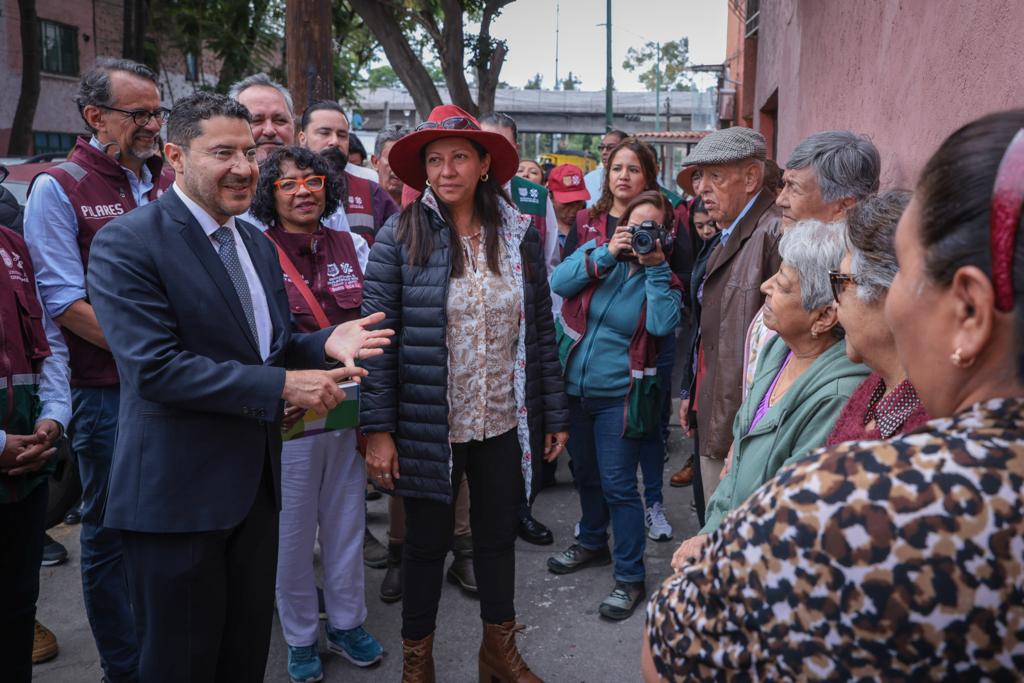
(104, 581)
(652, 453)
(605, 467)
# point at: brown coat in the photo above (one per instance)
(732, 296)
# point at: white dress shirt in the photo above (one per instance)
(260, 309)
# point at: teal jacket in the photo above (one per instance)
(597, 350)
(799, 423)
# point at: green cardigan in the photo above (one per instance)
(799, 423)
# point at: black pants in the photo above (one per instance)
(495, 493)
(22, 526)
(204, 602)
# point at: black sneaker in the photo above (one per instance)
(622, 601)
(53, 553)
(576, 557)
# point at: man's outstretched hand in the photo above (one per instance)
(351, 341)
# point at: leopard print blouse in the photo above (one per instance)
(872, 560)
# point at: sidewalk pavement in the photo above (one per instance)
(565, 639)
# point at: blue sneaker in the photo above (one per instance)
(304, 664)
(355, 645)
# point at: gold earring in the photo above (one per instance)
(427, 182)
(485, 177)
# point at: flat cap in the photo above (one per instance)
(722, 147)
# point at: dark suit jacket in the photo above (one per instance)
(200, 410)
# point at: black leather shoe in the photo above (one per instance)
(74, 515)
(391, 586)
(532, 531)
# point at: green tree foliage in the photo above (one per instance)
(534, 83)
(675, 62)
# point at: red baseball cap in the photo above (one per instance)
(565, 183)
(449, 121)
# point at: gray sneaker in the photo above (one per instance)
(622, 601)
(576, 557)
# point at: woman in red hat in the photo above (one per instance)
(473, 384)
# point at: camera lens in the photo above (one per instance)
(643, 242)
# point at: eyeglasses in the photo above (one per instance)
(141, 117)
(605, 148)
(450, 123)
(289, 186)
(839, 281)
(227, 156)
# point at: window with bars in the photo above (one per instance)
(59, 48)
(753, 16)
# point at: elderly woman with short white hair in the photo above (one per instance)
(803, 377)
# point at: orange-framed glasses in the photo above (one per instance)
(313, 183)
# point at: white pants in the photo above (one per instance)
(323, 483)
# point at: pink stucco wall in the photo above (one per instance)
(905, 72)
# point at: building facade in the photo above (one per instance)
(73, 35)
(905, 72)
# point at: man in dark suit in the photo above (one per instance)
(193, 306)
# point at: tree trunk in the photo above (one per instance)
(308, 33)
(382, 22)
(136, 20)
(31, 63)
(451, 51)
(489, 59)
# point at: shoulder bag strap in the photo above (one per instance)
(307, 295)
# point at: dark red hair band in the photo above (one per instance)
(1007, 197)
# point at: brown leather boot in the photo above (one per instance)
(684, 477)
(44, 644)
(418, 660)
(500, 661)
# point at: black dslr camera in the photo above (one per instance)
(646, 235)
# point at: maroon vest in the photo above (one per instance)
(359, 207)
(327, 261)
(99, 191)
(23, 344)
(591, 229)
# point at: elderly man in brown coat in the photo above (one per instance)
(726, 170)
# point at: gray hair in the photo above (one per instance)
(846, 164)
(870, 236)
(95, 87)
(238, 87)
(392, 134)
(813, 248)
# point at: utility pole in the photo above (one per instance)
(309, 35)
(657, 87)
(609, 122)
(557, 7)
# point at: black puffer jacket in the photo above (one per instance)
(406, 392)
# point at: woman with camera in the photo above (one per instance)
(472, 383)
(620, 299)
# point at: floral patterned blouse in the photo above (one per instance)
(899, 560)
(483, 330)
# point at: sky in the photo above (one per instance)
(529, 28)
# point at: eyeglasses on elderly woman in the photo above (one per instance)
(289, 186)
(839, 282)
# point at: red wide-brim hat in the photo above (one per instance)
(406, 155)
